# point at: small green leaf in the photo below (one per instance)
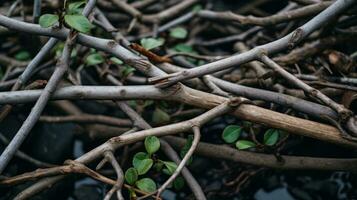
(186, 147)
(171, 167)
(146, 185)
(116, 60)
(144, 166)
(152, 144)
(78, 22)
(271, 136)
(131, 175)
(184, 48)
(48, 20)
(148, 103)
(178, 32)
(178, 183)
(159, 116)
(244, 144)
(196, 8)
(22, 56)
(201, 62)
(75, 8)
(231, 133)
(74, 53)
(94, 59)
(139, 157)
(158, 166)
(132, 103)
(151, 43)
(127, 70)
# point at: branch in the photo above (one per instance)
(116, 142)
(196, 139)
(281, 17)
(340, 109)
(289, 40)
(196, 98)
(72, 167)
(24, 156)
(120, 176)
(25, 76)
(87, 118)
(36, 111)
(266, 160)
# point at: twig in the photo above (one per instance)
(120, 177)
(196, 139)
(25, 76)
(266, 21)
(71, 167)
(116, 142)
(24, 156)
(87, 118)
(265, 160)
(141, 123)
(289, 40)
(340, 109)
(193, 97)
(36, 111)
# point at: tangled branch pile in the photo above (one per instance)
(141, 84)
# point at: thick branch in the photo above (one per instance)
(289, 40)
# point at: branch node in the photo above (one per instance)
(237, 101)
(296, 37)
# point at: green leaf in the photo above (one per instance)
(139, 157)
(151, 43)
(132, 103)
(146, 185)
(159, 116)
(186, 147)
(152, 144)
(78, 22)
(75, 8)
(197, 8)
(131, 175)
(271, 136)
(148, 103)
(184, 48)
(231, 133)
(22, 56)
(116, 60)
(178, 183)
(74, 53)
(178, 32)
(171, 167)
(158, 166)
(144, 166)
(94, 59)
(244, 144)
(48, 20)
(126, 70)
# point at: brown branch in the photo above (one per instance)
(87, 118)
(266, 160)
(266, 21)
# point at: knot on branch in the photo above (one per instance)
(296, 37)
(112, 44)
(162, 81)
(237, 101)
(140, 64)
